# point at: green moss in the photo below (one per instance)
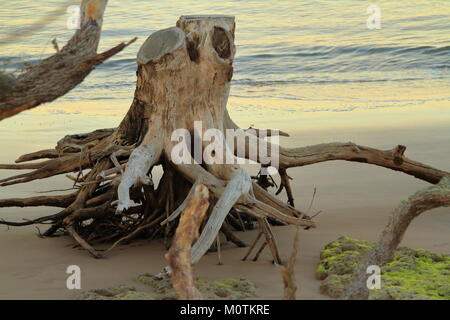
(321, 272)
(162, 288)
(227, 289)
(135, 295)
(334, 285)
(115, 293)
(412, 274)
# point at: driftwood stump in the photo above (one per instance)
(183, 78)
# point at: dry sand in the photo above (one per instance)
(356, 200)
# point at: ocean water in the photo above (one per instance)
(303, 63)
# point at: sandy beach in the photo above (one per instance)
(356, 200)
(376, 75)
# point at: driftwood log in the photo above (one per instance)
(183, 77)
(179, 255)
(58, 74)
(399, 221)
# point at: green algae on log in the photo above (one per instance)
(161, 289)
(116, 293)
(225, 289)
(411, 275)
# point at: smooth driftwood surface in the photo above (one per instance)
(179, 255)
(392, 159)
(399, 221)
(183, 77)
(58, 74)
(238, 186)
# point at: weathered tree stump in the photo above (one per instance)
(183, 78)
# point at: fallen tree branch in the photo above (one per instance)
(53, 201)
(179, 255)
(425, 200)
(58, 74)
(83, 243)
(285, 184)
(392, 159)
(288, 273)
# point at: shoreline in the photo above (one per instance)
(34, 268)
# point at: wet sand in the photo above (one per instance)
(356, 200)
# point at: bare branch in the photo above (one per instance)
(425, 200)
(288, 273)
(392, 159)
(63, 71)
(179, 255)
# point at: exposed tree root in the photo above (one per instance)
(54, 201)
(83, 243)
(183, 76)
(230, 236)
(269, 241)
(252, 247)
(179, 255)
(58, 74)
(287, 271)
(285, 184)
(399, 221)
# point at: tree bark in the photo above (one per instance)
(58, 74)
(179, 255)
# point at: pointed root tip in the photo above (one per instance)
(123, 206)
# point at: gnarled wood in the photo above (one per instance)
(237, 186)
(58, 74)
(400, 219)
(52, 201)
(179, 255)
(392, 159)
